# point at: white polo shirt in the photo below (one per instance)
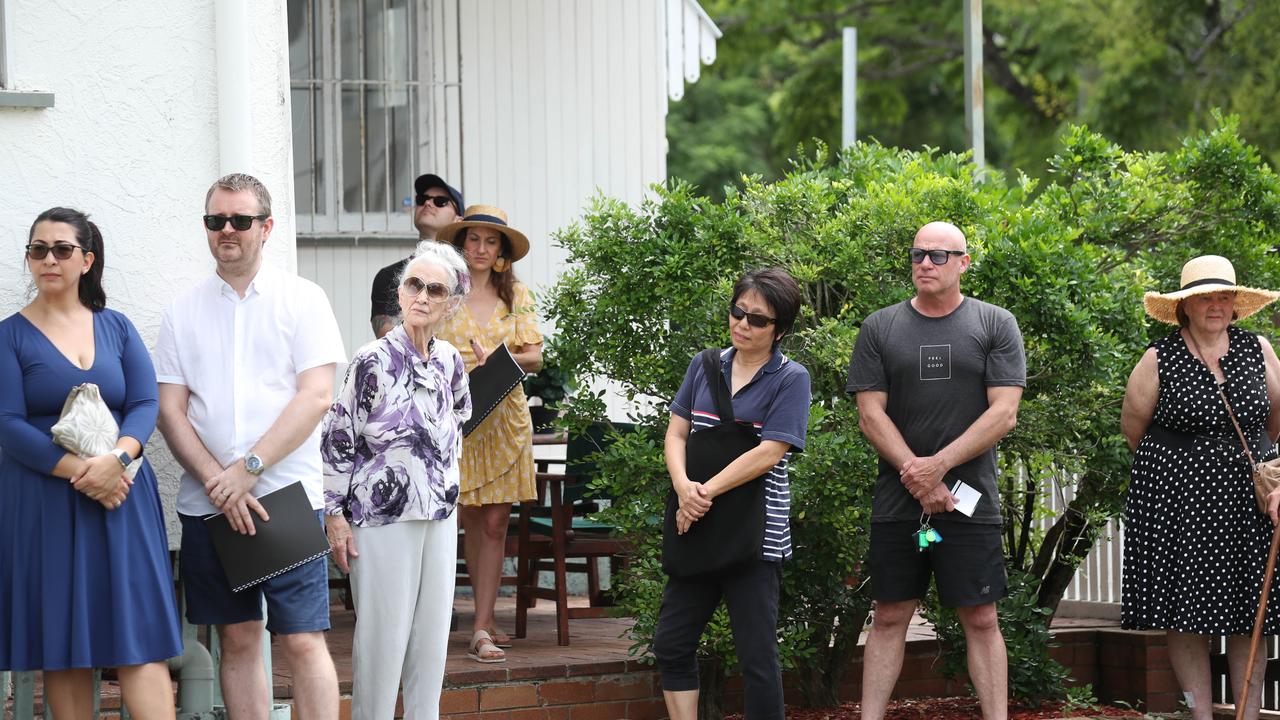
(240, 359)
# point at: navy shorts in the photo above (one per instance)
(297, 601)
(968, 564)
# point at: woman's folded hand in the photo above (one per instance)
(101, 478)
(694, 499)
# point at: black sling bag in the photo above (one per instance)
(731, 533)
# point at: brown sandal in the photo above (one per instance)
(482, 649)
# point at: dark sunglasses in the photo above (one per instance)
(436, 292)
(937, 257)
(239, 222)
(437, 200)
(61, 251)
(753, 319)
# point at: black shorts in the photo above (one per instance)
(968, 563)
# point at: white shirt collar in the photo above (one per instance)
(262, 282)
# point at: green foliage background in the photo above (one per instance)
(648, 287)
(1142, 72)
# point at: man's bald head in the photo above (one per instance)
(942, 235)
(940, 278)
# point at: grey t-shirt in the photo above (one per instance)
(936, 372)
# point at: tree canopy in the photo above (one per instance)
(1143, 73)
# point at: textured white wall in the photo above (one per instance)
(133, 141)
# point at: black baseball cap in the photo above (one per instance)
(424, 182)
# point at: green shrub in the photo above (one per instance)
(553, 382)
(648, 287)
(1033, 675)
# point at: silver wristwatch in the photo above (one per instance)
(122, 456)
(253, 464)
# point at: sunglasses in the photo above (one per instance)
(239, 222)
(436, 292)
(61, 251)
(753, 319)
(437, 200)
(937, 257)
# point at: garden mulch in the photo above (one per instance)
(958, 708)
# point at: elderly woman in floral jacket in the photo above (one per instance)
(391, 443)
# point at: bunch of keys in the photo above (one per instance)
(926, 536)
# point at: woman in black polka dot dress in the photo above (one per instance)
(1195, 541)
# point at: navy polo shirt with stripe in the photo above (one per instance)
(776, 404)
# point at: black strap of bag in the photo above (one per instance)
(731, 533)
(715, 380)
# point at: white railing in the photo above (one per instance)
(1095, 589)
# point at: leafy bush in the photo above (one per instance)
(648, 287)
(554, 382)
(1033, 675)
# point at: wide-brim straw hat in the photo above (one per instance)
(1203, 275)
(490, 217)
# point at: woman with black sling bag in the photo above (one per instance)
(737, 418)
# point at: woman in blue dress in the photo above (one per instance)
(85, 580)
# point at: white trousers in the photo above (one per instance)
(402, 585)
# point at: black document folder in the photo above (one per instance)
(291, 538)
(491, 382)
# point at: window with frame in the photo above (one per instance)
(358, 104)
(4, 50)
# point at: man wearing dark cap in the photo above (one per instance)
(436, 204)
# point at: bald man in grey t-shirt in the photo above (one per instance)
(938, 379)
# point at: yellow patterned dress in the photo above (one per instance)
(497, 458)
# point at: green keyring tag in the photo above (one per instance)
(933, 536)
(922, 539)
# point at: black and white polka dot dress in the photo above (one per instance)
(1195, 543)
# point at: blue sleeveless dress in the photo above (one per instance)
(80, 586)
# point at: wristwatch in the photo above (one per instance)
(122, 456)
(253, 464)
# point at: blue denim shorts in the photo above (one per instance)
(297, 601)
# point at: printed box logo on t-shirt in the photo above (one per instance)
(935, 362)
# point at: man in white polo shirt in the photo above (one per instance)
(246, 362)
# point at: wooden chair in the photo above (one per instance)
(560, 538)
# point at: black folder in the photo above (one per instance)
(291, 538)
(491, 382)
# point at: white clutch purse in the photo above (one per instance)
(86, 426)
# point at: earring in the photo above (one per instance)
(500, 265)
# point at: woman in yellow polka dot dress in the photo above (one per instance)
(497, 457)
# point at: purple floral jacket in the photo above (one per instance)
(392, 438)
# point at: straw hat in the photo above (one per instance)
(490, 217)
(1203, 275)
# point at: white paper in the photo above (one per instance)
(966, 497)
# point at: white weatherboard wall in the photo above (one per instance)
(346, 271)
(560, 99)
(132, 139)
